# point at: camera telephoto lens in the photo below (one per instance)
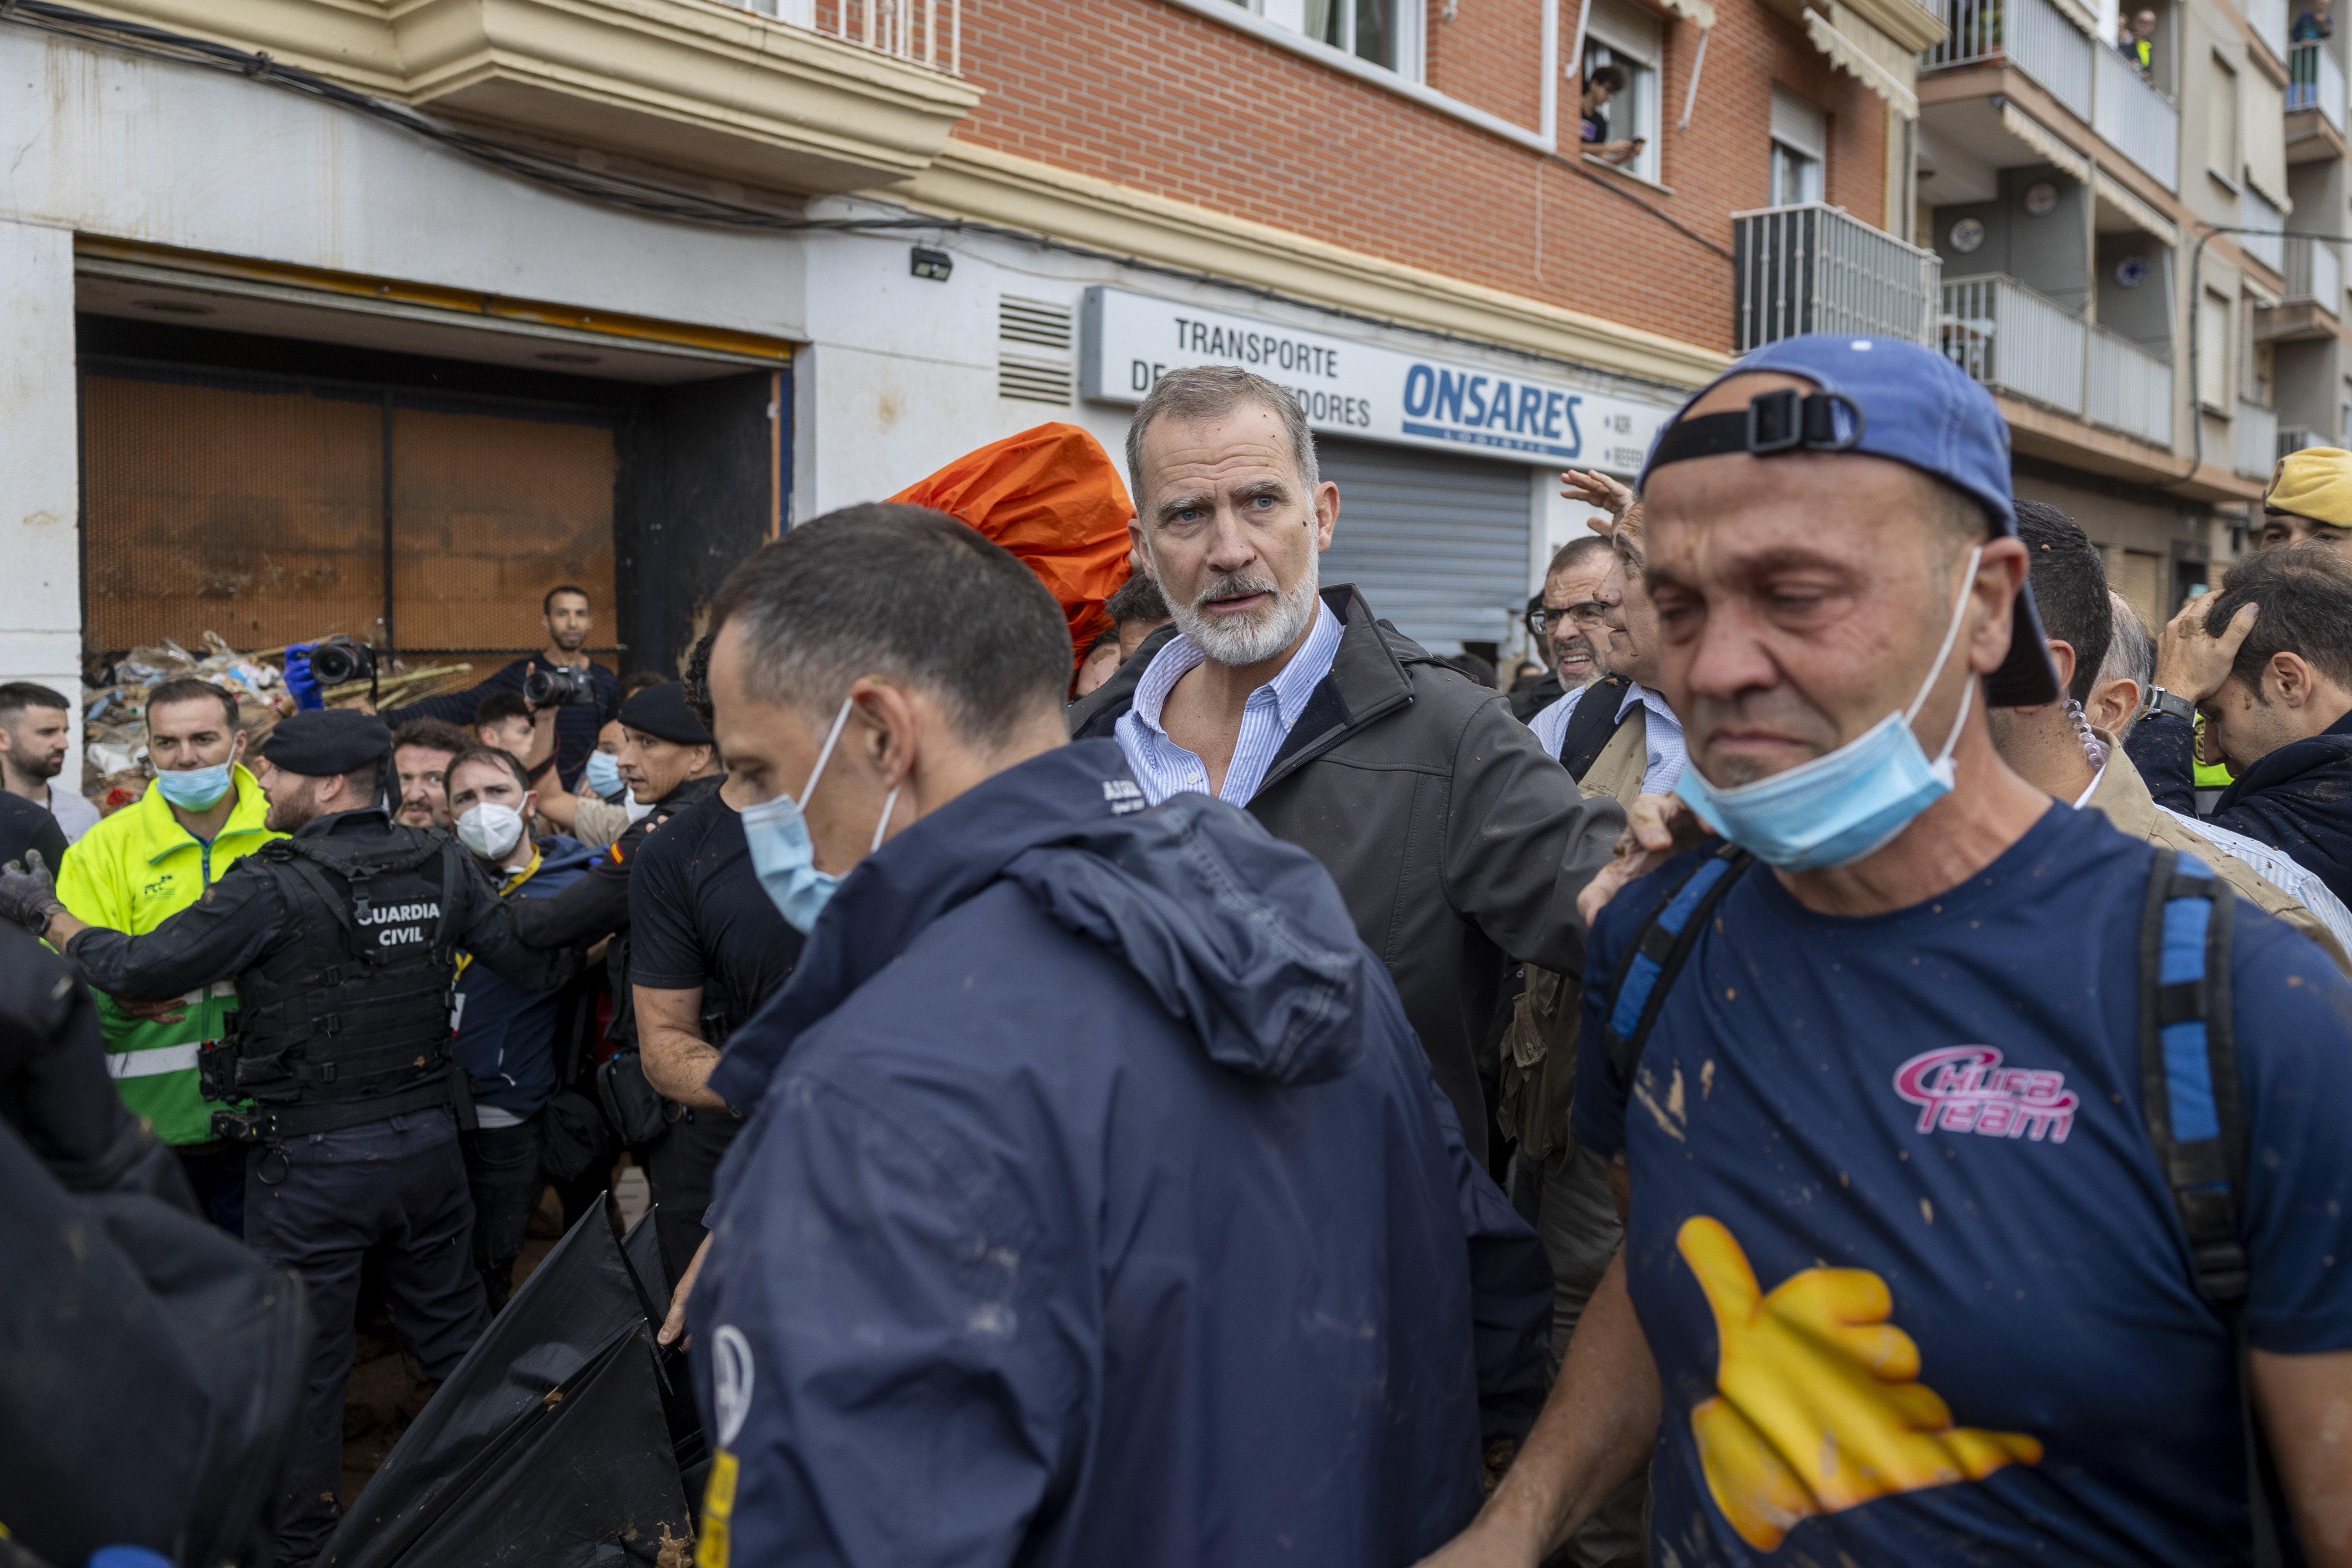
(339, 659)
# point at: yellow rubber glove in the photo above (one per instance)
(1819, 1407)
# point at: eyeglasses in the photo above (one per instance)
(1542, 618)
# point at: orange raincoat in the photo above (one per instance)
(1052, 497)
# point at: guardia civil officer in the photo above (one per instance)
(341, 939)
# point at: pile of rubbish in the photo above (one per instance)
(114, 705)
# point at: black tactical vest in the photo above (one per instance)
(350, 1022)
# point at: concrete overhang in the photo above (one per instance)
(688, 84)
(2037, 432)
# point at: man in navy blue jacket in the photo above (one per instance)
(1097, 1201)
(506, 1036)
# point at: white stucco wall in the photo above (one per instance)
(40, 591)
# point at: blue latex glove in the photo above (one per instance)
(299, 680)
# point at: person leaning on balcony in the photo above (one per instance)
(2137, 42)
(2309, 501)
(2313, 23)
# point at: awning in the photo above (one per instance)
(2043, 139)
(2113, 192)
(1843, 42)
(1699, 11)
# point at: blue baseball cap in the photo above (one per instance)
(1883, 397)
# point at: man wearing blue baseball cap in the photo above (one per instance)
(1982, 1165)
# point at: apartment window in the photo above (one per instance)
(2222, 125)
(2213, 352)
(1373, 30)
(1800, 148)
(1631, 41)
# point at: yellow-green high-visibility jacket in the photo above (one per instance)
(131, 873)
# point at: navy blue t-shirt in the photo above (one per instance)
(1899, 1244)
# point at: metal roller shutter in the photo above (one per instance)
(1438, 543)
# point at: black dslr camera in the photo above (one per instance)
(338, 660)
(564, 685)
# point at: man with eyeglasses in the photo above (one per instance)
(1633, 744)
(1566, 621)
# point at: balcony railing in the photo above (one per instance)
(2089, 78)
(2128, 388)
(920, 32)
(2253, 440)
(2295, 439)
(2313, 80)
(2315, 273)
(2007, 336)
(1811, 268)
(2029, 35)
(2268, 19)
(2136, 120)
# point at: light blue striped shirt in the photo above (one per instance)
(1164, 768)
(1662, 733)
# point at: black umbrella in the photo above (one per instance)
(560, 1440)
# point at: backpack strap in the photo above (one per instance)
(2188, 1095)
(1658, 954)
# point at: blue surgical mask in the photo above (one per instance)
(1846, 803)
(196, 789)
(784, 856)
(604, 775)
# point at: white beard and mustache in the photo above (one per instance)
(1252, 638)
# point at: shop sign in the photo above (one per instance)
(1372, 391)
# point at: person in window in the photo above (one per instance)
(1602, 84)
(2314, 22)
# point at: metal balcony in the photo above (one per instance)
(920, 32)
(2313, 80)
(2136, 120)
(2088, 77)
(2031, 35)
(2011, 337)
(2254, 440)
(1811, 268)
(2315, 273)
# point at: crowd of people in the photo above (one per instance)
(1798, 1074)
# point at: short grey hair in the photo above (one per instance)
(1211, 392)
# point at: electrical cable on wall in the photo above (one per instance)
(655, 200)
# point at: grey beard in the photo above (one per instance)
(1261, 637)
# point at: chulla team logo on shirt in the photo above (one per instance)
(1964, 1088)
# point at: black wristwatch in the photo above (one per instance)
(2159, 700)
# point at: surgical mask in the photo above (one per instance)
(784, 856)
(1843, 805)
(196, 789)
(489, 829)
(604, 775)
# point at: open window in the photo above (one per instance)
(1624, 56)
(1800, 149)
(1382, 32)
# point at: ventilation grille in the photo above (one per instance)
(1024, 373)
(1033, 381)
(1034, 321)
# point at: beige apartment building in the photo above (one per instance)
(2116, 265)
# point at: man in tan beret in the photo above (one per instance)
(2309, 501)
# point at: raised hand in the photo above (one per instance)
(1595, 488)
(1818, 1405)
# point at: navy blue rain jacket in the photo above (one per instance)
(1097, 1205)
(2297, 800)
(506, 1035)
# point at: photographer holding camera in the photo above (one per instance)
(585, 695)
